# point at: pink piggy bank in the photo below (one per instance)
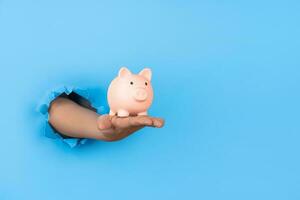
(130, 94)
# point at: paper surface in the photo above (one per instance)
(44, 106)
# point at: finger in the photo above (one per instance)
(126, 122)
(141, 121)
(104, 122)
(120, 122)
(158, 122)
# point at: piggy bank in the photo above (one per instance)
(130, 94)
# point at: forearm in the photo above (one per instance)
(73, 120)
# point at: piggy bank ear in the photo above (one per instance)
(147, 73)
(124, 72)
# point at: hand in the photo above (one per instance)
(116, 128)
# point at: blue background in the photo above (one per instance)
(226, 79)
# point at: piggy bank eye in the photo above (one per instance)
(131, 83)
(146, 83)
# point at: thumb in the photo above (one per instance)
(104, 122)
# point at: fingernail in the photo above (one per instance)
(158, 124)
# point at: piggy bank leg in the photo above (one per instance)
(112, 113)
(142, 113)
(123, 113)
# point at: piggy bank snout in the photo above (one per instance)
(140, 94)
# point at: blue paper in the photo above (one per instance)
(43, 108)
